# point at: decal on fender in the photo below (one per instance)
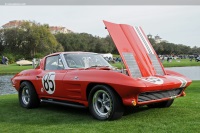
(154, 80)
(48, 82)
(182, 80)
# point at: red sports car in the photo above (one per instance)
(84, 79)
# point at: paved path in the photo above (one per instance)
(6, 86)
(191, 72)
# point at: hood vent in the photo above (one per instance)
(132, 65)
(156, 64)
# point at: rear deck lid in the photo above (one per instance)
(137, 53)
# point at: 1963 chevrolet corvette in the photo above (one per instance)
(85, 79)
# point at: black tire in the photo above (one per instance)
(28, 97)
(164, 104)
(105, 104)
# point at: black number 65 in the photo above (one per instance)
(49, 83)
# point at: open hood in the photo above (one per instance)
(137, 53)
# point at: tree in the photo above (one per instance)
(173, 49)
(85, 42)
(29, 39)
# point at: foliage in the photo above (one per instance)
(165, 48)
(85, 42)
(33, 40)
(182, 116)
(28, 39)
(11, 57)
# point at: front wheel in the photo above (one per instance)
(28, 97)
(104, 103)
(164, 104)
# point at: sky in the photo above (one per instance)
(176, 24)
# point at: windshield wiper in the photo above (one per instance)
(96, 66)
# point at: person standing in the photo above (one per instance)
(3, 60)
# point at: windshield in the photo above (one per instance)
(85, 60)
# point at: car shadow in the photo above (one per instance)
(64, 109)
(85, 111)
(128, 110)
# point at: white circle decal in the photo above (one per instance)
(48, 82)
(154, 80)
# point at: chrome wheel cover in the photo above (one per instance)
(25, 95)
(102, 103)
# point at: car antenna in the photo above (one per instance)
(122, 66)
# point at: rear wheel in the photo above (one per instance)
(28, 97)
(104, 103)
(164, 104)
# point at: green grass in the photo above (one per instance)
(173, 63)
(182, 117)
(182, 63)
(12, 69)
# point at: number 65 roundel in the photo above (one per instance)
(48, 82)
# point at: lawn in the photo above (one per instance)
(180, 63)
(173, 63)
(12, 68)
(182, 117)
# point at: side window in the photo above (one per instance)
(54, 63)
